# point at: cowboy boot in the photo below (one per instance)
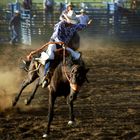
(46, 80)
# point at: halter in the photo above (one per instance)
(73, 86)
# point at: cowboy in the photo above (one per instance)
(76, 37)
(83, 17)
(27, 4)
(63, 31)
(133, 5)
(48, 6)
(119, 5)
(69, 7)
(14, 26)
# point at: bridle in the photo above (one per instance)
(69, 74)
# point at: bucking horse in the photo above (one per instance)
(67, 78)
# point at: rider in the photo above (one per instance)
(69, 7)
(63, 32)
(83, 17)
(14, 26)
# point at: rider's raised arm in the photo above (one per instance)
(37, 51)
(82, 26)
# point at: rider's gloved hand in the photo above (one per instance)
(90, 21)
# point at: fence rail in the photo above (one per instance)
(108, 23)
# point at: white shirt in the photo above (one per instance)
(119, 3)
(83, 19)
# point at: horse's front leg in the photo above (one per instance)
(50, 113)
(70, 99)
(25, 83)
(71, 115)
(28, 100)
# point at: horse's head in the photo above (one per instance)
(24, 64)
(77, 78)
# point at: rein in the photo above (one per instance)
(64, 66)
(36, 69)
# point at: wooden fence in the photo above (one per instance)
(108, 23)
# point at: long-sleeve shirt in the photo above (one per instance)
(63, 33)
(15, 21)
(83, 19)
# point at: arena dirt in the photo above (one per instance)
(107, 108)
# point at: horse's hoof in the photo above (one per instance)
(70, 123)
(45, 136)
(14, 103)
(26, 102)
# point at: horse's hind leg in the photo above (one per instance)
(23, 86)
(28, 101)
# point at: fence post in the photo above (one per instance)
(26, 27)
(116, 20)
(108, 18)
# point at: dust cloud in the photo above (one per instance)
(91, 43)
(11, 76)
(9, 80)
(9, 83)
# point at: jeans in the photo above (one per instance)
(15, 35)
(52, 48)
(47, 65)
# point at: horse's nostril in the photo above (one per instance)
(71, 97)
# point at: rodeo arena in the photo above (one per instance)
(70, 70)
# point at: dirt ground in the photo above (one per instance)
(107, 108)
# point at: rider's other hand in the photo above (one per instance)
(89, 22)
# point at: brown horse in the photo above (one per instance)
(35, 72)
(66, 81)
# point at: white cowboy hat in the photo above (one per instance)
(71, 17)
(82, 11)
(69, 4)
(16, 11)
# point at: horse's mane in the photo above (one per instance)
(69, 62)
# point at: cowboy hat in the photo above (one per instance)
(16, 12)
(82, 11)
(71, 17)
(69, 4)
